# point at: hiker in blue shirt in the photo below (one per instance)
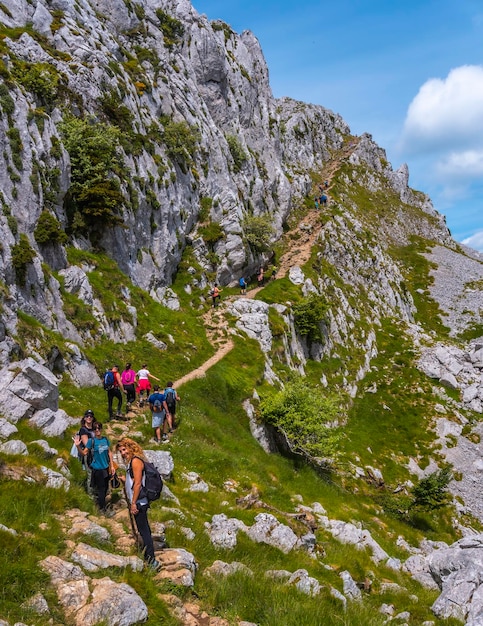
(102, 463)
(159, 411)
(243, 286)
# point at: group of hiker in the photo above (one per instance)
(215, 291)
(93, 449)
(132, 384)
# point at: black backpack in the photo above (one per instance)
(170, 398)
(157, 406)
(153, 483)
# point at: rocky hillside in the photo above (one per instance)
(144, 158)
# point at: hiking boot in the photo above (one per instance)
(156, 440)
(155, 565)
(164, 438)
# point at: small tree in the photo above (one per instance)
(431, 492)
(49, 230)
(306, 416)
(257, 232)
(309, 314)
(237, 152)
(94, 192)
(22, 255)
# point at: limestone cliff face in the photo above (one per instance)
(201, 137)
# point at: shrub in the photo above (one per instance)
(41, 79)
(173, 29)
(237, 152)
(430, 493)
(181, 140)
(6, 101)
(117, 112)
(309, 314)
(94, 193)
(305, 416)
(211, 233)
(22, 255)
(49, 230)
(205, 208)
(257, 232)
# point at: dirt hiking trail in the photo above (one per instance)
(303, 237)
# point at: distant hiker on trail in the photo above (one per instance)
(273, 274)
(243, 286)
(316, 203)
(215, 294)
(144, 384)
(260, 277)
(128, 379)
(102, 464)
(159, 411)
(323, 199)
(113, 386)
(326, 184)
(133, 455)
(171, 399)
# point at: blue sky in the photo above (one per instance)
(409, 73)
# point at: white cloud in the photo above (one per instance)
(475, 241)
(447, 114)
(461, 165)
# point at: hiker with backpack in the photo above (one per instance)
(243, 286)
(215, 294)
(114, 387)
(128, 379)
(102, 463)
(144, 384)
(171, 399)
(260, 277)
(143, 484)
(159, 411)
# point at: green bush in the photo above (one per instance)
(309, 315)
(430, 493)
(173, 29)
(94, 192)
(237, 152)
(6, 101)
(305, 416)
(49, 230)
(117, 112)
(181, 140)
(211, 233)
(22, 255)
(41, 79)
(257, 232)
(205, 208)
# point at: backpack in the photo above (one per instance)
(157, 406)
(242, 282)
(170, 395)
(108, 380)
(153, 483)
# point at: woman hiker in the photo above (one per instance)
(102, 464)
(133, 456)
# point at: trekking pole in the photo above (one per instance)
(134, 530)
